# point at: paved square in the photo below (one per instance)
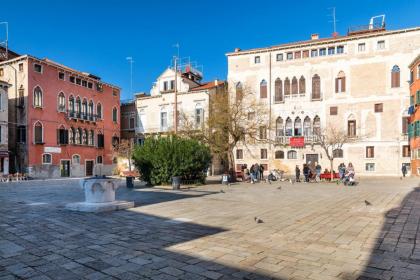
(310, 231)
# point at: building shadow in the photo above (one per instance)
(396, 253)
(127, 244)
(153, 196)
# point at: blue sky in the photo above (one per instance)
(97, 36)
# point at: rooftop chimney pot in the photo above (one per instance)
(237, 49)
(315, 36)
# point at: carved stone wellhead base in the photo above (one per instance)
(99, 196)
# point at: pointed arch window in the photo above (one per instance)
(298, 127)
(71, 135)
(61, 102)
(279, 127)
(114, 114)
(302, 85)
(278, 90)
(340, 82)
(287, 87)
(90, 110)
(85, 137)
(289, 127)
(38, 133)
(84, 109)
(395, 76)
(307, 131)
(239, 91)
(294, 86)
(38, 97)
(99, 111)
(263, 89)
(71, 105)
(91, 138)
(79, 133)
(78, 107)
(316, 87)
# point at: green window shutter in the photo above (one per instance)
(417, 132)
(411, 100)
(418, 97)
(410, 130)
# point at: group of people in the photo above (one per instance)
(254, 174)
(311, 171)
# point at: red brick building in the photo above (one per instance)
(414, 111)
(62, 122)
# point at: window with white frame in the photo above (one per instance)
(279, 57)
(46, 159)
(37, 97)
(257, 59)
(380, 45)
(99, 160)
(75, 159)
(61, 102)
(292, 154)
(361, 47)
(239, 154)
(263, 153)
(38, 68)
(370, 167)
(163, 120)
(199, 114)
(38, 133)
(99, 111)
(114, 115)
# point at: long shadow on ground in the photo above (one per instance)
(47, 240)
(396, 254)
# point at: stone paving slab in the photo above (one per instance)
(309, 231)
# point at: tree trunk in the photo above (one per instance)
(231, 160)
(332, 167)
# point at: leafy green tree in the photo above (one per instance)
(161, 158)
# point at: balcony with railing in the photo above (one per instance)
(308, 139)
(81, 116)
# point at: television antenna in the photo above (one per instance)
(334, 19)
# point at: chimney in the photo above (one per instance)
(315, 36)
(237, 49)
(335, 34)
(216, 82)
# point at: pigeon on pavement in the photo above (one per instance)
(258, 220)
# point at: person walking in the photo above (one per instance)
(297, 173)
(404, 170)
(306, 172)
(257, 172)
(261, 172)
(318, 169)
